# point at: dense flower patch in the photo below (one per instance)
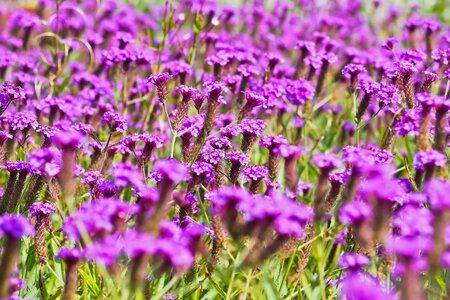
(193, 150)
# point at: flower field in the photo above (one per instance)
(195, 149)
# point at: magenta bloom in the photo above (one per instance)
(171, 170)
(159, 80)
(353, 261)
(115, 122)
(15, 226)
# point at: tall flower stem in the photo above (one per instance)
(11, 254)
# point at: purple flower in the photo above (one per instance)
(231, 131)
(91, 178)
(97, 218)
(46, 160)
(105, 251)
(432, 157)
(41, 209)
(18, 166)
(387, 93)
(171, 170)
(409, 247)
(272, 142)
(238, 158)
(413, 221)
(248, 70)
(351, 70)
(253, 99)
(15, 226)
(405, 68)
(328, 161)
(437, 192)
(354, 212)
(70, 255)
(187, 92)
(115, 122)
(159, 80)
(214, 88)
(10, 93)
(201, 170)
(152, 140)
(254, 173)
(409, 123)
(220, 143)
(67, 139)
(389, 44)
(24, 122)
(413, 56)
(127, 174)
(298, 91)
(369, 87)
(359, 286)
(353, 261)
(252, 127)
(213, 156)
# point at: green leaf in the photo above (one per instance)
(270, 289)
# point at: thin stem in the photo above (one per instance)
(107, 142)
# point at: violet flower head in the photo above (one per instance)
(213, 157)
(432, 157)
(115, 122)
(69, 140)
(159, 80)
(437, 192)
(298, 91)
(126, 174)
(220, 143)
(97, 218)
(198, 99)
(359, 286)
(328, 161)
(293, 216)
(353, 261)
(289, 151)
(171, 170)
(226, 199)
(201, 171)
(238, 158)
(409, 247)
(389, 44)
(70, 255)
(15, 226)
(46, 160)
(105, 251)
(153, 141)
(24, 122)
(214, 89)
(352, 70)
(253, 99)
(248, 70)
(4, 136)
(405, 68)
(387, 93)
(430, 100)
(413, 221)
(354, 212)
(368, 87)
(252, 127)
(187, 92)
(272, 142)
(41, 209)
(10, 93)
(254, 173)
